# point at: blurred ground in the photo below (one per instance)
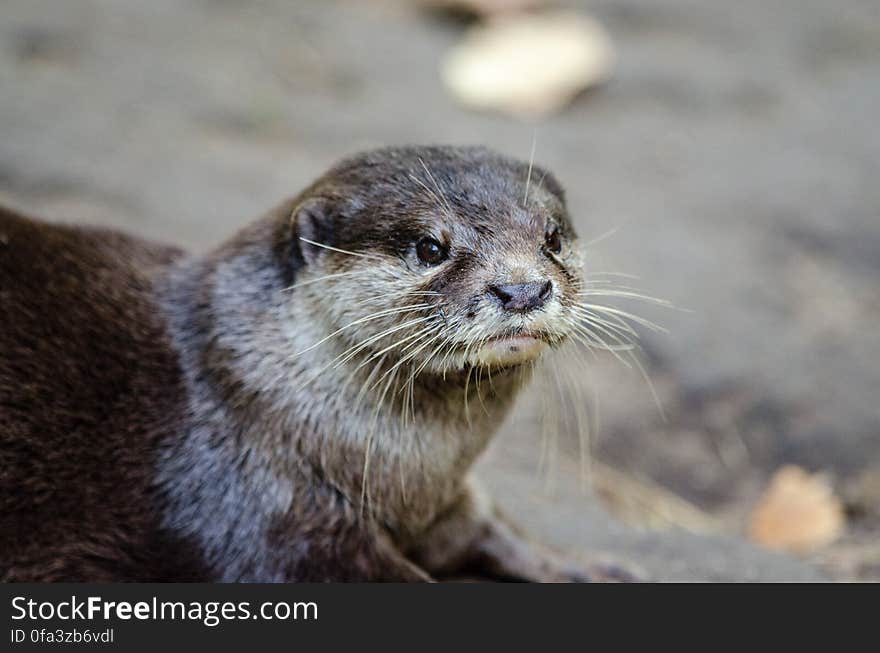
(736, 152)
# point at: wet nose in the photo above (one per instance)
(522, 297)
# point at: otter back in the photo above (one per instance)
(88, 388)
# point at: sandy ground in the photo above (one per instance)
(735, 152)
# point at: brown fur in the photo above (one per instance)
(88, 386)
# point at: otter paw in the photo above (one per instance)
(594, 572)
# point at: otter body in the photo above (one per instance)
(302, 403)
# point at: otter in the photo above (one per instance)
(300, 403)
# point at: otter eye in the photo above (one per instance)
(430, 251)
(552, 241)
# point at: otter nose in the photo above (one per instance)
(522, 297)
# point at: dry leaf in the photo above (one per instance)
(798, 512)
(528, 65)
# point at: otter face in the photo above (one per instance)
(440, 258)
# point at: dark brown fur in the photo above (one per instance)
(89, 385)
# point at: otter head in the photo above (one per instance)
(438, 259)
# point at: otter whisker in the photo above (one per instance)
(626, 294)
(429, 357)
(541, 180)
(613, 349)
(584, 310)
(589, 338)
(611, 273)
(559, 419)
(643, 373)
(326, 277)
(582, 419)
(397, 294)
(531, 164)
(587, 344)
(621, 333)
(365, 497)
(437, 186)
(440, 204)
(342, 251)
(470, 337)
(593, 340)
(599, 308)
(408, 391)
(333, 362)
(472, 341)
(600, 287)
(362, 320)
(413, 339)
(600, 238)
(541, 470)
(480, 392)
(467, 411)
(452, 345)
(421, 343)
(438, 327)
(353, 351)
(491, 382)
(476, 343)
(609, 319)
(594, 404)
(453, 328)
(650, 384)
(624, 333)
(366, 383)
(409, 356)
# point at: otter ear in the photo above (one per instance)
(311, 223)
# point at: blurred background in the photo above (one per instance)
(727, 154)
